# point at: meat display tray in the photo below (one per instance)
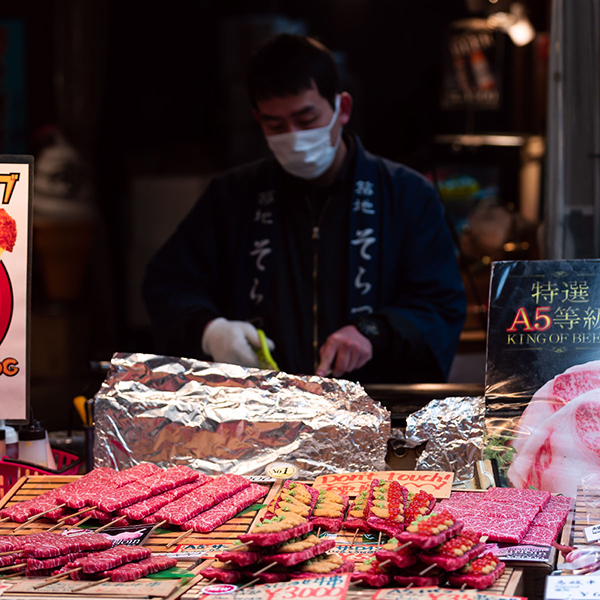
(211, 543)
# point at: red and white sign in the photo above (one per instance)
(438, 484)
(16, 174)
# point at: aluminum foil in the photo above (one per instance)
(220, 418)
(454, 429)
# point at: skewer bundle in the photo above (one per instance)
(144, 493)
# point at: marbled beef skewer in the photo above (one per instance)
(205, 497)
(135, 570)
(225, 510)
(51, 544)
(145, 508)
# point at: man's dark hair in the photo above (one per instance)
(289, 64)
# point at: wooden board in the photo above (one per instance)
(210, 544)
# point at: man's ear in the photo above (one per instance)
(345, 107)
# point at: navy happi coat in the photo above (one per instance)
(300, 263)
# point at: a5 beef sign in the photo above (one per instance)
(544, 356)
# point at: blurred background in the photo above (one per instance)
(129, 110)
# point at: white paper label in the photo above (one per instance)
(572, 587)
(592, 533)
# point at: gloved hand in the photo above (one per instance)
(232, 341)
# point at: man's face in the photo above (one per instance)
(306, 110)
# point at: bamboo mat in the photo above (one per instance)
(587, 513)
(210, 544)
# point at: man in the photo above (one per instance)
(342, 257)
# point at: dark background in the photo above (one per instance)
(157, 91)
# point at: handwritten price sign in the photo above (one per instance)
(332, 587)
(437, 483)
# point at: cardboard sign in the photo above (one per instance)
(438, 484)
(572, 587)
(16, 177)
(325, 586)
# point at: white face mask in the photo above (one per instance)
(308, 153)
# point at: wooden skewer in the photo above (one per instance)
(409, 585)
(385, 562)
(76, 514)
(403, 546)
(354, 536)
(462, 587)
(379, 540)
(9, 552)
(79, 522)
(17, 574)
(319, 532)
(90, 584)
(211, 581)
(249, 583)
(181, 537)
(56, 526)
(264, 569)
(36, 517)
(5, 519)
(237, 547)
(159, 524)
(2, 569)
(110, 524)
(56, 578)
(427, 569)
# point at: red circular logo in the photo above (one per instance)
(223, 588)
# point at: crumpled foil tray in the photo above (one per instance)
(221, 418)
(454, 429)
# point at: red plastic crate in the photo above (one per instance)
(11, 470)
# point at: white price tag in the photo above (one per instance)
(592, 533)
(572, 587)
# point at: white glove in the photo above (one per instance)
(232, 342)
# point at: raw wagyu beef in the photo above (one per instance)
(109, 559)
(139, 510)
(136, 570)
(201, 499)
(51, 544)
(560, 432)
(227, 509)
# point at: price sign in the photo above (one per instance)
(333, 587)
(572, 587)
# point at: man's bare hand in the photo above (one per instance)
(343, 351)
